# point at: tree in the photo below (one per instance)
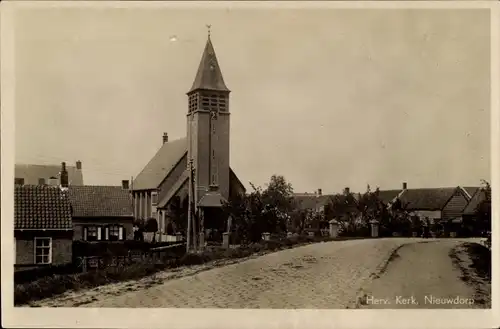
(237, 208)
(178, 211)
(151, 225)
(483, 209)
(371, 207)
(344, 209)
(262, 211)
(277, 200)
(400, 219)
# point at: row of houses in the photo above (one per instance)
(50, 213)
(432, 204)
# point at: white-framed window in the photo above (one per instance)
(43, 250)
(92, 233)
(114, 232)
(154, 198)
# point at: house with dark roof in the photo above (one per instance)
(196, 166)
(102, 213)
(470, 210)
(314, 201)
(36, 174)
(388, 197)
(43, 229)
(437, 204)
(318, 201)
(470, 218)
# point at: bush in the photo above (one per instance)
(30, 275)
(116, 248)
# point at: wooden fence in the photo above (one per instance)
(156, 255)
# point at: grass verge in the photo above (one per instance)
(474, 262)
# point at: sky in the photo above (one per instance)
(328, 98)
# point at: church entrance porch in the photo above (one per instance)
(214, 222)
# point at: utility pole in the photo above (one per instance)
(193, 208)
(190, 197)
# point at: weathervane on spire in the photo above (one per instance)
(209, 26)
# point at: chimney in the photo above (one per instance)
(79, 165)
(165, 138)
(405, 185)
(346, 190)
(125, 184)
(320, 192)
(64, 175)
(53, 181)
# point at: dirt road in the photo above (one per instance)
(323, 275)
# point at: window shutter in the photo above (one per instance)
(84, 234)
(106, 233)
(99, 233)
(120, 233)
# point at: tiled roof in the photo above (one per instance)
(311, 201)
(41, 207)
(477, 198)
(427, 198)
(209, 75)
(348, 199)
(100, 201)
(160, 165)
(387, 196)
(32, 173)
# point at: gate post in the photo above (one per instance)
(374, 226)
(334, 228)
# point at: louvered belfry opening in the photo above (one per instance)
(208, 102)
(193, 102)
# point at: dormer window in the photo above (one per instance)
(41, 181)
(19, 181)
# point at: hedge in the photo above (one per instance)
(116, 248)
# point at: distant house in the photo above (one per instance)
(313, 201)
(34, 174)
(470, 211)
(388, 197)
(102, 213)
(437, 204)
(43, 230)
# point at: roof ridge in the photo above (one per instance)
(158, 151)
(84, 186)
(44, 165)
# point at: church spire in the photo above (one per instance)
(209, 75)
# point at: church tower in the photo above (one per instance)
(208, 127)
